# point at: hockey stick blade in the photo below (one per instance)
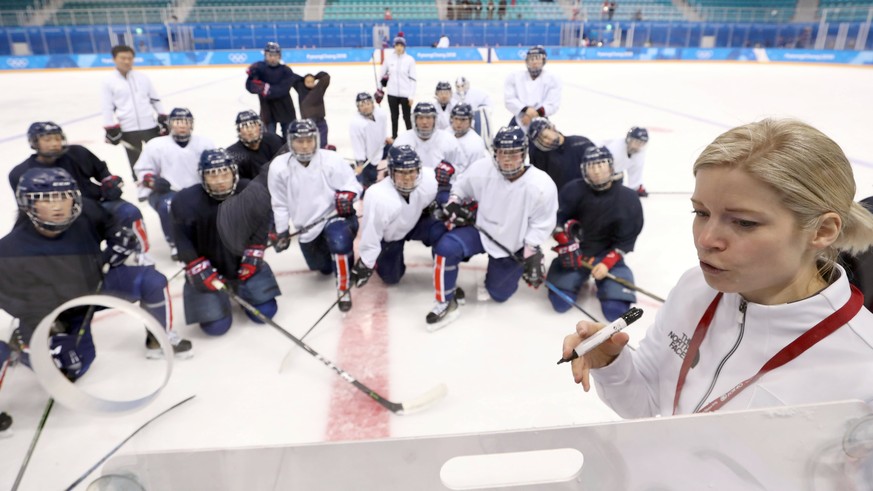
(423, 401)
(395, 407)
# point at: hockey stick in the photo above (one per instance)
(309, 227)
(115, 449)
(420, 403)
(548, 283)
(625, 283)
(287, 360)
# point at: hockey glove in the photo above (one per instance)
(282, 242)
(459, 215)
(113, 134)
(641, 192)
(568, 238)
(534, 271)
(65, 356)
(384, 81)
(120, 246)
(360, 274)
(444, 172)
(252, 259)
(257, 87)
(110, 188)
(163, 124)
(201, 275)
(345, 201)
(378, 96)
(156, 183)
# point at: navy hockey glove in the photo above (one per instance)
(461, 215)
(568, 238)
(156, 183)
(113, 134)
(163, 124)
(444, 172)
(201, 275)
(110, 188)
(360, 274)
(67, 358)
(534, 271)
(120, 246)
(282, 242)
(368, 175)
(252, 259)
(345, 201)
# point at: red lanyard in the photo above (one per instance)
(803, 342)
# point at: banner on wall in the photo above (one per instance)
(425, 55)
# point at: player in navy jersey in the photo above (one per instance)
(49, 142)
(516, 206)
(556, 154)
(610, 217)
(254, 146)
(272, 80)
(54, 254)
(195, 222)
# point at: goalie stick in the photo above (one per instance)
(421, 402)
(115, 449)
(548, 283)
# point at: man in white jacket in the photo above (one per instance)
(532, 92)
(132, 110)
(398, 78)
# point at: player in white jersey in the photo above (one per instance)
(470, 145)
(480, 101)
(396, 211)
(443, 105)
(532, 92)
(432, 145)
(168, 164)
(316, 188)
(630, 156)
(130, 105)
(517, 206)
(368, 132)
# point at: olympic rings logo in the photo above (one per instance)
(18, 62)
(238, 57)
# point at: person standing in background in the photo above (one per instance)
(311, 90)
(399, 79)
(132, 110)
(272, 80)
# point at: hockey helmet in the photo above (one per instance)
(46, 128)
(361, 101)
(535, 60)
(218, 173)
(424, 110)
(636, 139)
(404, 168)
(249, 128)
(462, 85)
(510, 151)
(597, 168)
(303, 140)
(181, 123)
(542, 139)
(49, 184)
(462, 119)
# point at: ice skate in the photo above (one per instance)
(182, 348)
(442, 314)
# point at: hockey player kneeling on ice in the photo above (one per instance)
(52, 150)
(555, 154)
(517, 204)
(54, 255)
(630, 156)
(611, 218)
(254, 147)
(167, 165)
(308, 185)
(470, 145)
(195, 225)
(443, 106)
(432, 145)
(397, 210)
(368, 132)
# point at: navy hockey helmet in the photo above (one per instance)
(303, 139)
(404, 159)
(181, 123)
(218, 173)
(535, 60)
(424, 110)
(542, 140)
(45, 128)
(462, 119)
(462, 85)
(510, 151)
(597, 168)
(249, 128)
(52, 184)
(443, 86)
(273, 47)
(361, 102)
(636, 139)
